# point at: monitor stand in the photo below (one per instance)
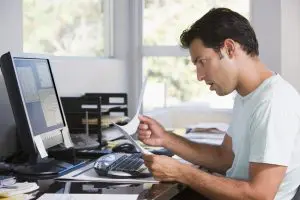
(47, 167)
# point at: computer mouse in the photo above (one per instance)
(125, 148)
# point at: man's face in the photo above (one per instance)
(218, 70)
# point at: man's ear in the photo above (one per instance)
(229, 46)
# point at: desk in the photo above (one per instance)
(162, 191)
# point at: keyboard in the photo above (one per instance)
(122, 165)
(83, 141)
(127, 163)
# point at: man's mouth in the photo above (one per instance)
(211, 84)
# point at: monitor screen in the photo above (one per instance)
(39, 95)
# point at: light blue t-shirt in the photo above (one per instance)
(265, 128)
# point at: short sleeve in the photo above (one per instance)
(229, 130)
(273, 131)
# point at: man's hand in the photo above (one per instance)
(151, 132)
(163, 168)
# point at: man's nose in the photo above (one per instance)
(200, 74)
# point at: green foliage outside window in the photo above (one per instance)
(63, 27)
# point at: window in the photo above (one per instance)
(172, 77)
(165, 20)
(170, 84)
(64, 27)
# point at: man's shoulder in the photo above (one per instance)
(278, 91)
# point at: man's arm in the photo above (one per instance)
(263, 184)
(217, 158)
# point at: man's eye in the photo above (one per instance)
(203, 61)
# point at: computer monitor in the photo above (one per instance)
(36, 106)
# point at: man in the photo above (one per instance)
(261, 151)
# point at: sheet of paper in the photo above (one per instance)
(207, 141)
(131, 127)
(48, 196)
(18, 188)
(204, 135)
(137, 145)
(88, 173)
(111, 134)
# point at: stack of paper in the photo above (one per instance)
(211, 125)
(18, 189)
(209, 133)
(7, 181)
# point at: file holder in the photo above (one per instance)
(92, 106)
(111, 104)
(84, 115)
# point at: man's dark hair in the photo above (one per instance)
(220, 24)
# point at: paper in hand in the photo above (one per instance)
(131, 127)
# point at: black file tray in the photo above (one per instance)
(76, 108)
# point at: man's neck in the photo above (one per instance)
(252, 73)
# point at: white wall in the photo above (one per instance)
(290, 41)
(76, 76)
(265, 19)
(11, 25)
(277, 25)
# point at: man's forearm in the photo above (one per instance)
(215, 187)
(209, 156)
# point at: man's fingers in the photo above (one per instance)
(144, 134)
(144, 139)
(143, 126)
(146, 119)
(148, 157)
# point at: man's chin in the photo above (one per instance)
(221, 93)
